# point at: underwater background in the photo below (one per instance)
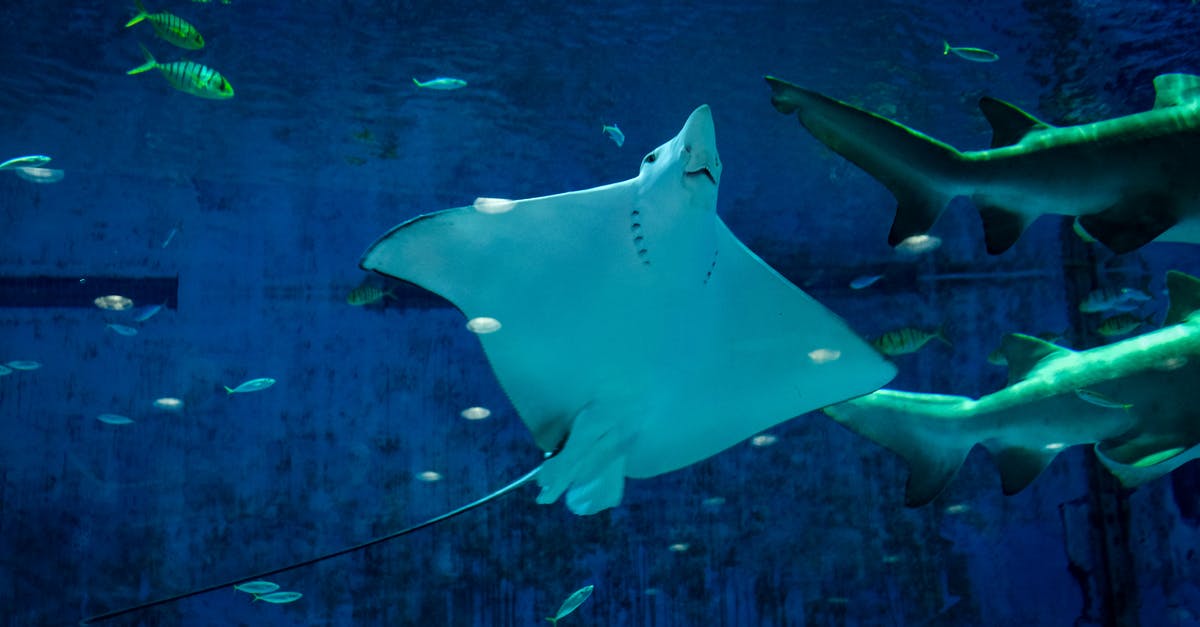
(246, 217)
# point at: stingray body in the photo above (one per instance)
(638, 334)
(1129, 180)
(1148, 425)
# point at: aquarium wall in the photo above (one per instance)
(234, 226)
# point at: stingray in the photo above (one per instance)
(632, 331)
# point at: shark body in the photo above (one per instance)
(1137, 400)
(1129, 180)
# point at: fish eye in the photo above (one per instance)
(650, 158)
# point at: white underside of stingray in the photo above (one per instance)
(638, 335)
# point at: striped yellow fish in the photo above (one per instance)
(169, 27)
(367, 295)
(907, 340)
(188, 76)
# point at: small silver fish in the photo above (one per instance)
(257, 587)
(121, 329)
(864, 281)
(1100, 400)
(29, 161)
(278, 597)
(978, 55)
(24, 365)
(441, 83)
(574, 601)
(253, 385)
(146, 313)
(614, 134)
(919, 244)
(114, 419)
(40, 175)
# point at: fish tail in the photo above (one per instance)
(417, 82)
(945, 47)
(228, 390)
(922, 173)
(141, 14)
(553, 621)
(940, 334)
(150, 63)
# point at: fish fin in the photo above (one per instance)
(1171, 90)
(904, 423)
(945, 47)
(916, 169)
(1025, 352)
(940, 335)
(1132, 222)
(150, 63)
(141, 14)
(1019, 466)
(1183, 294)
(417, 82)
(1009, 123)
(228, 390)
(1001, 227)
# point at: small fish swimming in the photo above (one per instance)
(257, 587)
(189, 77)
(367, 295)
(1119, 324)
(908, 340)
(278, 597)
(574, 601)
(1100, 400)
(865, 281)
(441, 83)
(169, 27)
(919, 244)
(29, 161)
(978, 55)
(121, 329)
(1113, 299)
(614, 134)
(40, 175)
(114, 419)
(170, 236)
(24, 365)
(147, 312)
(253, 385)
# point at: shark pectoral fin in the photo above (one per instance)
(1183, 292)
(1020, 466)
(930, 473)
(1009, 123)
(1001, 227)
(1132, 222)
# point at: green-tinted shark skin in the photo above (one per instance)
(1040, 412)
(1130, 180)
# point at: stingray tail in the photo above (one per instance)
(923, 173)
(927, 430)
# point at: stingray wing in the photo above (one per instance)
(549, 270)
(763, 353)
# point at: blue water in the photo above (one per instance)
(272, 196)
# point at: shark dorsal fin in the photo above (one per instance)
(1009, 123)
(1183, 290)
(1025, 352)
(1172, 90)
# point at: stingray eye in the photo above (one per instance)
(650, 158)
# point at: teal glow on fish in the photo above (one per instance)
(189, 77)
(29, 161)
(253, 385)
(574, 601)
(441, 83)
(614, 134)
(257, 587)
(278, 597)
(121, 329)
(114, 419)
(978, 55)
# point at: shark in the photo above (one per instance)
(632, 331)
(1137, 402)
(1128, 180)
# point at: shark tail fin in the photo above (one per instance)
(923, 173)
(928, 430)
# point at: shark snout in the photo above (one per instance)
(700, 145)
